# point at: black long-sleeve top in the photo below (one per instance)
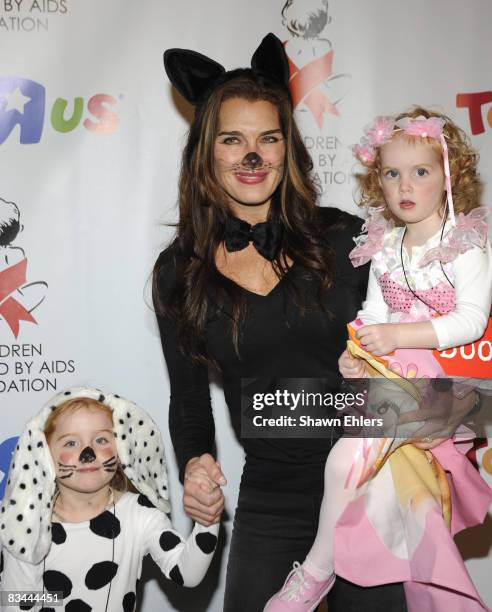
(276, 341)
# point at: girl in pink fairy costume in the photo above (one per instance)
(392, 507)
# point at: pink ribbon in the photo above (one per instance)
(11, 310)
(304, 85)
(447, 178)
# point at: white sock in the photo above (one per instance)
(348, 460)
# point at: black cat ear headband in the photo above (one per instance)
(195, 76)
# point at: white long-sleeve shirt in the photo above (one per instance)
(470, 272)
(81, 562)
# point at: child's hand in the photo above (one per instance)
(350, 367)
(379, 339)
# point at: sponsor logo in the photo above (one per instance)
(23, 104)
(18, 297)
(29, 15)
(314, 85)
(476, 103)
(471, 360)
(7, 448)
(23, 367)
(317, 90)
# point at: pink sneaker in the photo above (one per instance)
(300, 593)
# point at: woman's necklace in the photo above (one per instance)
(63, 519)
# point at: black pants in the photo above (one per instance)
(271, 531)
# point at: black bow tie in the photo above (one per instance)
(266, 237)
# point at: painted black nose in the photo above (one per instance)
(87, 455)
(252, 160)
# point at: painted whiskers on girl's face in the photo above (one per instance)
(413, 184)
(83, 448)
(65, 471)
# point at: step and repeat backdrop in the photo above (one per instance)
(90, 141)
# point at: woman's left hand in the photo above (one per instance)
(429, 445)
(442, 418)
(379, 339)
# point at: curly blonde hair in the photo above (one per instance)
(463, 160)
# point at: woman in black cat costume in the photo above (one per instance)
(257, 283)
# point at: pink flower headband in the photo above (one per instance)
(382, 130)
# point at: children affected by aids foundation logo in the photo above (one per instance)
(18, 297)
(23, 103)
(313, 84)
(30, 15)
(317, 89)
(23, 366)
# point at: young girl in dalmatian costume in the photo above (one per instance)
(67, 523)
(430, 286)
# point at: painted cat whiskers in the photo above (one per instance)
(110, 464)
(252, 162)
(67, 470)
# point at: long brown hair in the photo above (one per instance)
(203, 208)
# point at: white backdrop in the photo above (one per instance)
(93, 185)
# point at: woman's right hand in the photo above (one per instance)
(350, 367)
(203, 499)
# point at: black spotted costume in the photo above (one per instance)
(90, 559)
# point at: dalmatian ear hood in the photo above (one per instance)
(25, 517)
